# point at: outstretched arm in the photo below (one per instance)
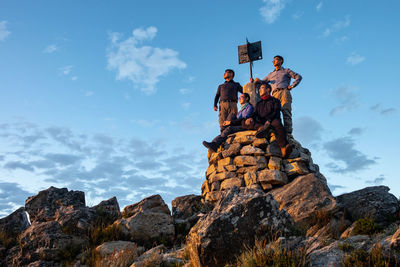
(297, 78)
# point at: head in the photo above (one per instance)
(244, 98)
(229, 74)
(265, 89)
(277, 61)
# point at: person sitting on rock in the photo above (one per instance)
(234, 124)
(267, 115)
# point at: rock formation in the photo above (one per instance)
(250, 196)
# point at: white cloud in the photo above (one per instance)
(355, 59)
(298, 15)
(66, 70)
(141, 64)
(184, 91)
(347, 98)
(50, 49)
(4, 32)
(319, 6)
(338, 25)
(272, 9)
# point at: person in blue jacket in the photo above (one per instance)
(233, 125)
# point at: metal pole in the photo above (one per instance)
(251, 69)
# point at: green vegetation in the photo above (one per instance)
(361, 258)
(260, 256)
(366, 226)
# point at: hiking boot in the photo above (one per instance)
(286, 151)
(263, 131)
(211, 145)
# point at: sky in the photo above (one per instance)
(114, 98)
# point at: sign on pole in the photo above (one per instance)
(250, 52)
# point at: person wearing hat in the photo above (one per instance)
(227, 94)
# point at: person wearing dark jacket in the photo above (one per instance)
(227, 94)
(267, 116)
(236, 124)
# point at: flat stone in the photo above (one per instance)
(231, 168)
(224, 162)
(273, 149)
(244, 134)
(251, 150)
(272, 177)
(274, 163)
(211, 169)
(244, 140)
(213, 196)
(229, 183)
(266, 186)
(241, 161)
(250, 178)
(215, 157)
(243, 170)
(261, 159)
(231, 150)
(205, 188)
(296, 168)
(221, 176)
(260, 142)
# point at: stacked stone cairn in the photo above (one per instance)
(246, 161)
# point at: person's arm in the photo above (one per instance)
(297, 78)
(276, 109)
(240, 88)
(217, 98)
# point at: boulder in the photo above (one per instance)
(152, 257)
(303, 197)
(147, 221)
(75, 221)
(44, 205)
(375, 202)
(12, 226)
(116, 253)
(240, 216)
(108, 209)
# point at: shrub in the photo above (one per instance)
(361, 258)
(260, 255)
(366, 226)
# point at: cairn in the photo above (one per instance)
(246, 161)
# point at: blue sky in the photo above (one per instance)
(115, 98)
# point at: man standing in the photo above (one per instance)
(267, 115)
(237, 124)
(279, 80)
(227, 94)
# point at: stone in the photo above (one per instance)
(273, 149)
(229, 183)
(147, 221)
(224, 162)
(250, 89)
(217, 185)
(79, 221)
(13, 225)
(243, 170)
(250, 178)
(266, 186)
(251, 150)
(109, 209)
(215, 157)
(272, 177)
(116, 253)
(230, 168)
(213, 196)
(221, 176)
(153, 203)
(43, 206)
(152, 257)
(303, 197)
(274, 163)
(210, 170)
(374, 202)
(241, 161)
(329, 255)
(231, 150)
(295, 168)
(395, 240)
(261, 143)
(205, 187)
(241, 215)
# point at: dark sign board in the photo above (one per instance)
(250, 52)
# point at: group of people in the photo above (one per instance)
(266, 115)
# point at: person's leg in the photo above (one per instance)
(286, 103)
(280, 132)
(223, 114)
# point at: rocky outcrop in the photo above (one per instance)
(13, 225)
(303, 197)
(246, 161)
(109, 209)
(116, 253)
(372, 202)
(44, 205)
(147, 221)
(241, 215)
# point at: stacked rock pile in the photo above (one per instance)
(246, 161)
